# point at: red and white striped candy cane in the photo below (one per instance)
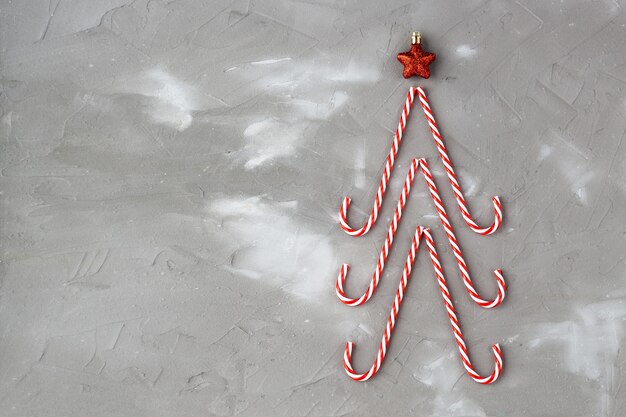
(395, 308)
(454, 321)
(463, 269)
(460, 199)
(382, 187)
(391, 321)
(384, 252)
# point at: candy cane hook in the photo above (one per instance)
(460, 199)
(382, 187)
(463, 269)
(395, 308)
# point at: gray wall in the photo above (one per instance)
(171, 174)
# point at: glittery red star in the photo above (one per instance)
(416, 61)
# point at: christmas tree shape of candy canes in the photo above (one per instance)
(421, 164)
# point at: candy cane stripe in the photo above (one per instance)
(460, 199)
(382, 187)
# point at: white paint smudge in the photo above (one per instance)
(581, 194)
(270, 139)
(438, 372)
(258, 63)
(571, 163)
(469, 182)
(544, 152)
(366, 328)
(307, 74)
(172, 101)
(270, 61)
(318, 75)
(175, 103)
(591, 340)
(465, 51)
(7, 119)
(441, 375)
(272, 246)
(360, 181)
(308, 88)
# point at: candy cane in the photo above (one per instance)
(391, 321)
(406, 189)
(384, 252)
(395, 308)
(454, 321)
(391, 158)
(460, 199)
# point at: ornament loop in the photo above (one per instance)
(416, 38)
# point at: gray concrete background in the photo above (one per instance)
(171, 174)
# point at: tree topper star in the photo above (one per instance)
(416, 61)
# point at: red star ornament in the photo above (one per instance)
(416, 61)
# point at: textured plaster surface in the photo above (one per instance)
(171, 172)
